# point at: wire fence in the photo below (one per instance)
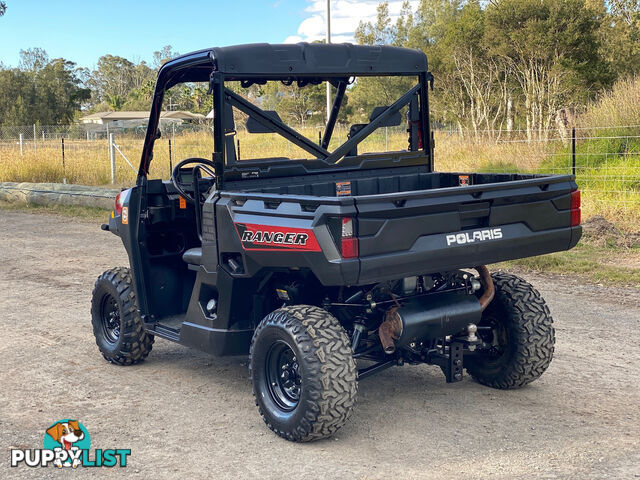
(607, 159)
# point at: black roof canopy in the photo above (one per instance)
(302, 62)
(317, 60)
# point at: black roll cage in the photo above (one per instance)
(218, 65)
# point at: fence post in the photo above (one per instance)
(21, 144)
(35, 145)
(573, 150)
(112, 155)
(170, 161)
(64, 177)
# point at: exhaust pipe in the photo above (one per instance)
(487, 283)
(390, 330)
(440, 315)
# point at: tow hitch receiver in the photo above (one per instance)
(451, 363)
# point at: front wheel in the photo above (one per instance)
(303, 373)
(117, 325)
(517, 330)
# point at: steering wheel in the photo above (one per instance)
(199, 164)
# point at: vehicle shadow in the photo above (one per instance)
(386, 401)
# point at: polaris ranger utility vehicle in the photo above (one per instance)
(333, 267)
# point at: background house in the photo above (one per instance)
(133, 119)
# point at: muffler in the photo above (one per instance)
(428, 317)
(434, 316)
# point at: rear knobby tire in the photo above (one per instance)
(524, 333)
(117, 326)
(321, 360)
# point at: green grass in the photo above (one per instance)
(607, 265)
(72, 211)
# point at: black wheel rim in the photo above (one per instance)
(110, 318)
(282, 372)
(494, 335)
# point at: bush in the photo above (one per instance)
(619, 106)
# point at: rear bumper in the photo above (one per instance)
(432, 253)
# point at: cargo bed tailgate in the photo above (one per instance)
(409, 233)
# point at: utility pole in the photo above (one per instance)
(328, 42)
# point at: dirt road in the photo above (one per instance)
(183, 413)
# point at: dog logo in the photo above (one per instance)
(67, 444)
(70, 436)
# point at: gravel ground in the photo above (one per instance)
(183, 413)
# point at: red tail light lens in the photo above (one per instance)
(121, 199)
(575, 217)
(119, 202)
(349, 248)
(576, 213)
(348, 239)
(575, 199)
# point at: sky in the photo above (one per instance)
(82, 31)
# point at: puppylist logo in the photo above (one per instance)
(67, 444)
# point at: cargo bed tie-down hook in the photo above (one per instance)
(391, 328)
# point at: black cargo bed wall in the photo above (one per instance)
(368, 182)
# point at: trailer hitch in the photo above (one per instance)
(450, 364)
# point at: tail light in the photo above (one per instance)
(575, 208)
(344, 233)
(349, 242)
(418, 124)
(121, 199)
(119, 202)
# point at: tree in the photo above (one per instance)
(620, 35)
(3, 8)
(41, 90)
(118, 81)
(371, 92)
(33, 59)
(160, 57)
(378, 33)
(552, 50)
(59, 88)
(140, 97)
(299, 104)
(17, 95)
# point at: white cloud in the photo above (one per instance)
(345, 17)
(293, 39)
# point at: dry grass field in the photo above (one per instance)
(608, 162)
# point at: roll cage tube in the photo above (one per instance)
(204, 66)
(194, 67)
(320, 151)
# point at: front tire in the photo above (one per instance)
(518, 326)
(117, 326)
(303, 373)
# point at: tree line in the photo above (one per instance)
(498, 65)
(506, 64)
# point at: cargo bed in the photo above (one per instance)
(409, 221)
